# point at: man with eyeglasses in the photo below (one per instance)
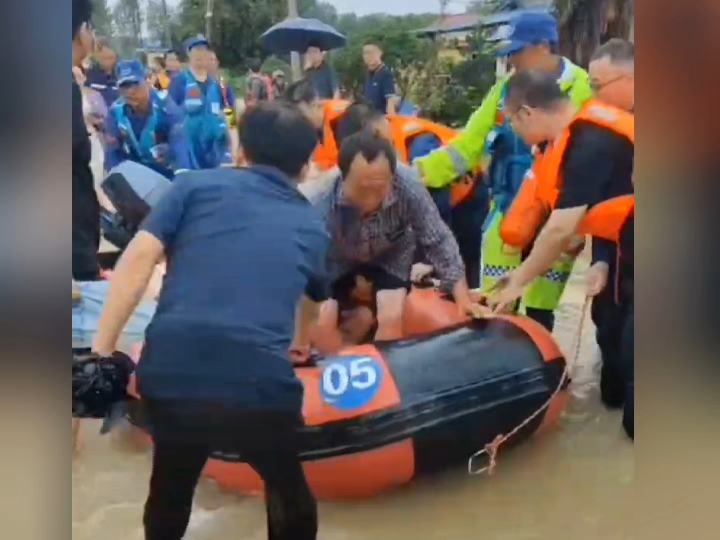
(529, 42)
(612, 77)
(584, 185)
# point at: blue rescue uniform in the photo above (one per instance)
(204, 120)
(154, 138)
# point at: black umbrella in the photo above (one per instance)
(295, 34)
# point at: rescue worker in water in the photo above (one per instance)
(201, 99)
(532, 45)
(583, 185)
(144, 125)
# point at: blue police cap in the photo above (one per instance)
(129, 72)
(525, 29)
(195, 41)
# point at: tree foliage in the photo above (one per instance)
(102, 19)
(585, 24)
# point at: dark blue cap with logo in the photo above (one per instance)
(129, 72)
(525, 29)
(195, 41)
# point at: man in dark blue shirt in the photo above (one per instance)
(101, 77)
(245, 272)
(379, 82)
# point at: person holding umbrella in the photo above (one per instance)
(321, 73)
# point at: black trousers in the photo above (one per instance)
(628, 367)
(466, 221)
(185, 434)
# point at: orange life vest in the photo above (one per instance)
(405, 128)
(540, 189)
(326, 153)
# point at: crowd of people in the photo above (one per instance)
(255, 256)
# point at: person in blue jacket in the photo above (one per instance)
(101, 76)
(200, 97)
(145, 126)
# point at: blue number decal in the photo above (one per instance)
(350, 382)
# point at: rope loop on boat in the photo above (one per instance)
(491, 449)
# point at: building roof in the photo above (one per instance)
(470, 21)
(452, 23)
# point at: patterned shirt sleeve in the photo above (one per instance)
(432, 233)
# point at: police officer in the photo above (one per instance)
(101, 76)
(145, 125)
(201, 99)
(531, 44)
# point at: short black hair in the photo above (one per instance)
(277, 134)
(357, 117)
(370, 146)
(81, 14)
(534, 88)
(302, 91)
(315, 44)
(374, 44)
(254, 65)
(169, 52)
(619, 51)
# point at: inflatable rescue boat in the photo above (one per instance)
(379, 415)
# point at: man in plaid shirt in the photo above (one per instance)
(377, 214)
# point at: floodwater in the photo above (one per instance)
(575, 483)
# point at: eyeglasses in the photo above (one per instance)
(597, 86)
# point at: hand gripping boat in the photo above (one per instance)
(380, 414)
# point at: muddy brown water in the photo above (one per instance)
(574, 483)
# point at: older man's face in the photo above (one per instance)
(107, 58)
(367, 184)
(613, 83)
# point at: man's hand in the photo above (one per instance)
(299, 351)
(596, 278)
(473, 309)
(508, 290)
(465, 302)
(420, 271)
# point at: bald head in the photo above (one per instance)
(612, 73)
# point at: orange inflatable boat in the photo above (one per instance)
(381, 414)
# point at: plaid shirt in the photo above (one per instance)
(388, 238)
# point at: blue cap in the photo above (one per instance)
(195, 41)
(525, 29)
(129, 72)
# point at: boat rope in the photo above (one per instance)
(491, 449)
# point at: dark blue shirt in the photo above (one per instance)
(379, 86)
(324, 80)
(105, 83)
(242, 246)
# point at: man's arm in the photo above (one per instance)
(586, 171)
(127, 288)
(389, 91)
(316, 291)
(433, 234)
(444, 165)
(177, 138)
(176, 90)
(137, 264)
(334, 85)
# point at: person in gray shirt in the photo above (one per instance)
(377, 213)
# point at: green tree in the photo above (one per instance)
(101, 18)
(585, 24)
(236, 26)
